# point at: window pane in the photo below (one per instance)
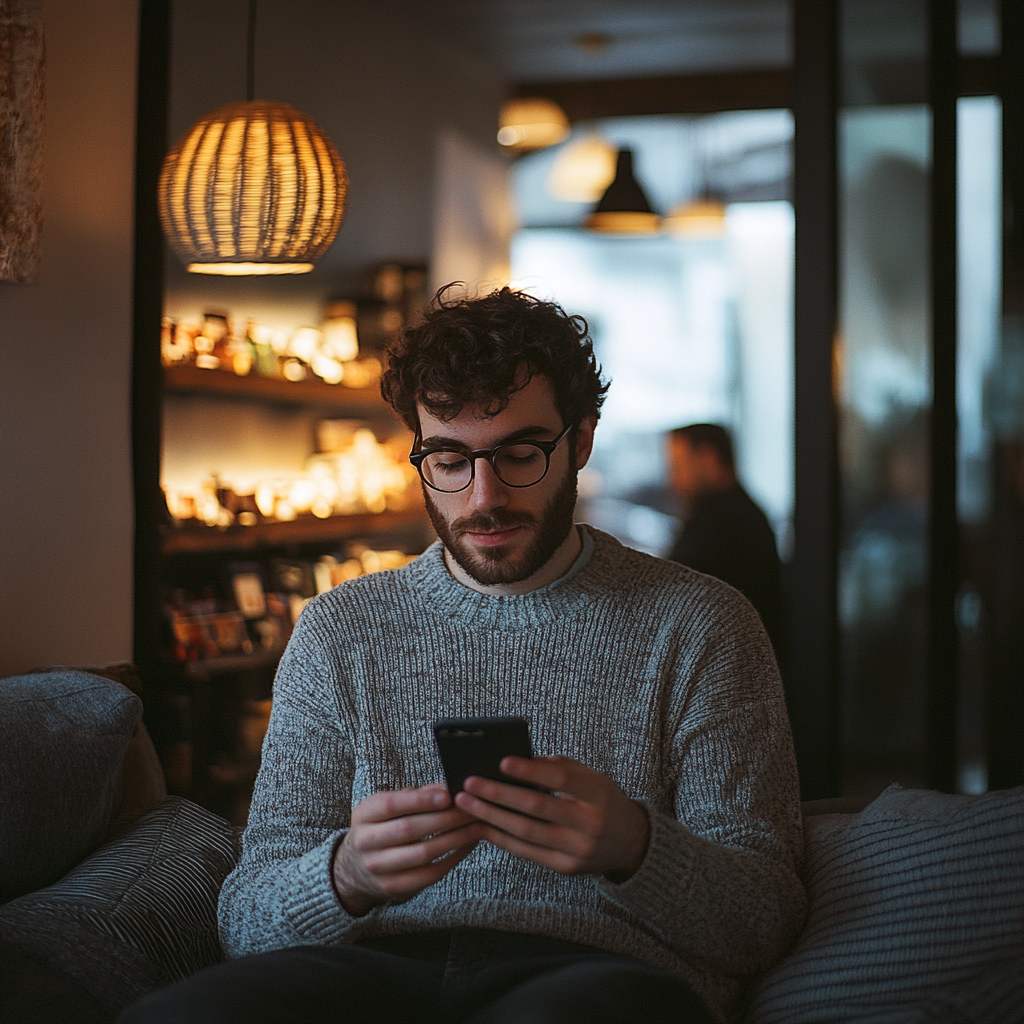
(884, 393)
(689, 329)
(979, 149)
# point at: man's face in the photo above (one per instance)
(682, 467)
(695, 470)
(500, 534)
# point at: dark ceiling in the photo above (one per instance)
(564, 40)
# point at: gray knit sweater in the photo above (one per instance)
(658, 677)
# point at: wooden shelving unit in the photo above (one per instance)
(193, 538)
(305, 530)
(205, 669)
(191, 380)
(217, 694)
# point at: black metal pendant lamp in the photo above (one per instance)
(624, 208)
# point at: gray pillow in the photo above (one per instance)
(916, 898)
(63, 736)
(139, 913)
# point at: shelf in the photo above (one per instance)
(205, 669)
(191, 380)
(305, 530)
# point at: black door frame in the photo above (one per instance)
(813, 681)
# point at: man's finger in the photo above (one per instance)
(393, 859)
(537, 833)
(406, 884)
(411, 828)
(556, 860)
(399, 802)
(557, 774)
(558, 810)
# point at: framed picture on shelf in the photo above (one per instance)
(247, 587)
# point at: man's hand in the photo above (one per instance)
(391, 851)
(586, 825)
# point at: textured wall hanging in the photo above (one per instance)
(22, 57)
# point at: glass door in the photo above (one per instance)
(884, 391)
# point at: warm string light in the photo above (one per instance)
(330, 353)
(363, 476)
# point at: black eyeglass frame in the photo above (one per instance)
(490, 454)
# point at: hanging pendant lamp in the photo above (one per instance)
(583, 170)
(624, 208)
(531, 123)
(252, 188)
(698, 218)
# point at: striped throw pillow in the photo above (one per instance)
(138, 913)
(917, 915)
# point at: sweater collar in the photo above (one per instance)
(445, 597)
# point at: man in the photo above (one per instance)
(724, 533)
(652, 871)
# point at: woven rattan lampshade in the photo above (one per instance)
(252, 188)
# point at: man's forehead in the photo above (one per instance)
(532, 405)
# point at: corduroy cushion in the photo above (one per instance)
(916, 902)
(63, 736)
(139, 913)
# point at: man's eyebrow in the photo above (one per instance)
(438, 441)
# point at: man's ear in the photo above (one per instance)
(585, 440)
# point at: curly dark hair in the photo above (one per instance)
(479, 352)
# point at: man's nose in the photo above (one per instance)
(486, 491)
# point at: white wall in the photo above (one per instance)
(65, 361)
(474, 215)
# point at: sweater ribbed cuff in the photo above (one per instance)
(667, 867)
(313, 906)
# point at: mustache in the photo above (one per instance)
(492, 522)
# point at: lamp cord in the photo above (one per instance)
(250, 69)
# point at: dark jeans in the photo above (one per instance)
(471, 975)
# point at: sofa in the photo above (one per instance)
(108, 887)
(916, 914)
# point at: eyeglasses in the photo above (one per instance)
(516, 464)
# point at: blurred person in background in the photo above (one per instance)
(725, 534)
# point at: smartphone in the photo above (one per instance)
(475, 746)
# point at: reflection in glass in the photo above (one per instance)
(884, 394)
(885, 397)
(980, 376)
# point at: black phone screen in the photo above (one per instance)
(475, 746)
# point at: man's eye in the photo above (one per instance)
(445, 462)
(519, 455)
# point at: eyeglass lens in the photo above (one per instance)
(518, 465)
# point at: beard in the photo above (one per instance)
(498, 565)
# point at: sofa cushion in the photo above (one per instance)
(140, 783)
(913, 901)
(140, 780)
(63, 736)
(139, 913)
